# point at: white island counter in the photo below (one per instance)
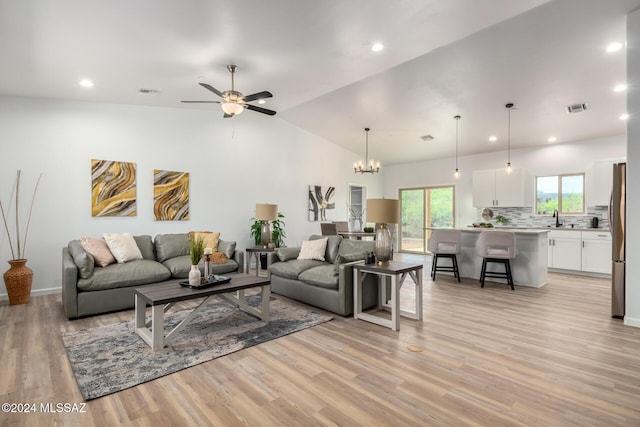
(529, 268)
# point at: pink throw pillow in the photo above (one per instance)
(98, 249)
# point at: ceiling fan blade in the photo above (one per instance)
(211, 88)
(258, 95)
(226, 116)
(201, 102)
(260, 110)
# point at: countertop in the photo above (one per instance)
(515, 230)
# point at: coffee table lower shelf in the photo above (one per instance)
(163, 297)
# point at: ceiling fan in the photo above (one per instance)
(234, 102)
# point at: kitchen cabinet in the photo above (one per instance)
(496, 188)
(596, 251)
(565, 250)
(601, 181)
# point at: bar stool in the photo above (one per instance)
(497, 247)
(444, 244)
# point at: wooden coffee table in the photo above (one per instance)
(163, 296)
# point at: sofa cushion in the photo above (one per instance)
(98, 249)
(333, 243)
(83, 260)
(133, 273)
(179, 266)
(325, 276)
(292, 268)
(227, 247)
(171, 246)
(123, 247)
(145, 244)
(354, 250)
(285, 254)
(211, 239)
(313, 249)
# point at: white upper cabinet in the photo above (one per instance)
(494, 187)
(601, 182)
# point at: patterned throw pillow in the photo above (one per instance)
(218, 258)
(210, 238)
(98, 249)
(313, 249)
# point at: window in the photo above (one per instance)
(421, 208)
(562, 192)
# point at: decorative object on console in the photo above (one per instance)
(196, 250)
(265, 213)
(367, 166)
(320, 202)
(509, 107)
(19, 277)
(383, 212)
(456, 173)
(170, 195)
(113, 188)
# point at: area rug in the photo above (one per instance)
(110, 358)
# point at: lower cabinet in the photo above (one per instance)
(565, 250)
(586, 251)
(596, 252)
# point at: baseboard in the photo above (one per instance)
(35, 292)
(632, 321)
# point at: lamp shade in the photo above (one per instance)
(383, 211)
(266, 212)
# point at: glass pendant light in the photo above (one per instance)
(456, 173)
(509, 107)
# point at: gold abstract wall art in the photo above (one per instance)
(113, 188)
(170, 195)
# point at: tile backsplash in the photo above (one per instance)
(523, 217)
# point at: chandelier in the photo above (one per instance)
(367, 166)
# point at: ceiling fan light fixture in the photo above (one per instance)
(232, 108)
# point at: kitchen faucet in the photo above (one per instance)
(556, 215)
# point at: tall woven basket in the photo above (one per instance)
(18, 281)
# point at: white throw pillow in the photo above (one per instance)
(123, 247)
(313, 249)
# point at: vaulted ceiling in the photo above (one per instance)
(440, 59)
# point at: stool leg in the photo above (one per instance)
(509, 277)
(483, 271)
(434, 263)
(456, 272)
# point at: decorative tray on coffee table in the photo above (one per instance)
(213, 280)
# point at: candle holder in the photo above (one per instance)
(207, 258)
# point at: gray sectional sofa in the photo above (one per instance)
(88, 289)
(325, 284)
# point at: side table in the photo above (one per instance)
(256, 251)
(396, 272)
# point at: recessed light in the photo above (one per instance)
(620, 88)
(377, 47)
(624, 117)
(262, 101)
(614, 47)
(552, 139)
(86, 83)
(493, 138)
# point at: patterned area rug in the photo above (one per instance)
(110, 358)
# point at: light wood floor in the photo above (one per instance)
(492, 357)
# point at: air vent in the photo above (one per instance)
(149, 91)
(427, 137)
(576, 108)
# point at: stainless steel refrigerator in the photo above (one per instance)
(617, 218)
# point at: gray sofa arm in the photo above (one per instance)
(238, 256)
(69, 285)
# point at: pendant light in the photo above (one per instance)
(509, 107)
(456, 173)
(366, 167)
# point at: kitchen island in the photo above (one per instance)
(529, 268)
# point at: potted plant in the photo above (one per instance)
(196, 250)
(19, 277)
(277, 235)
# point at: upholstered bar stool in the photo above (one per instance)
(444, 244)
(496, 247)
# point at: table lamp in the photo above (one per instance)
(383, 212)
(265, 213)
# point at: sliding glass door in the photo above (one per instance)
(420, 209)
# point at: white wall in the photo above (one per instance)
(233, 164)
(546, 160)
(632, 316)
